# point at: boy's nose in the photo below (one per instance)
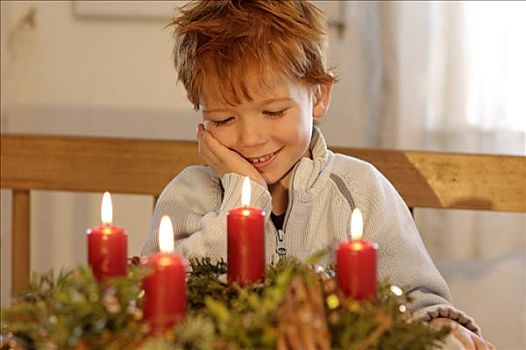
(251, 135)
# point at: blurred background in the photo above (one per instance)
(442, 76)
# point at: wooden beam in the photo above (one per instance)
(424, 179)
(452, 180)
(89, 164)
(21, 241)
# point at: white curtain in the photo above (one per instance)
(448, 76)
(458, 78)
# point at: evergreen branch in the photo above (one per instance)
(73, 311)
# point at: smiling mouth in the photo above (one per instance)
(262, 159)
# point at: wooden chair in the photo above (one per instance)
(138, 166)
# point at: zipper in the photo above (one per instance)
(280, 244)
(281, 250)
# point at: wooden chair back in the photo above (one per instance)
(140, 166)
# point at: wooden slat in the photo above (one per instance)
(424, 179)
(91, 164)
(452, 180)
(20, 244)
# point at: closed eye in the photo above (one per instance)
(279, 113)
(221, 122)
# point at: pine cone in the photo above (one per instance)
(10, 342)
(301, 318)
(82, 345)
(135, 260)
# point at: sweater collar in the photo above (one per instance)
(309, 175)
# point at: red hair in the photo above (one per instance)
(223, 41)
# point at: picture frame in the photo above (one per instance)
(130, 10)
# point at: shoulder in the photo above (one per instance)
(194, 175)
(363, 179)
(385, 212)
(192, 182)
(354, 169)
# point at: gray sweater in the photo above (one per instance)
(322, 193)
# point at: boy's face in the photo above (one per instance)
(271, 132)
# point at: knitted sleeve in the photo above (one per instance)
(197, 203)
(402, 256)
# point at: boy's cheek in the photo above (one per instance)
(222, 136)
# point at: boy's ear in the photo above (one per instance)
(322, 99)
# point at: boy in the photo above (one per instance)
(256, 70)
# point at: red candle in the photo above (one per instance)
(246, 241)
(107, 245)
(356, 263)
(165, 287)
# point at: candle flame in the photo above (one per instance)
(166, 235)
(356, 224)
(245, 193)
(106, 209)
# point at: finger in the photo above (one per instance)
(480, 344)
(222, 159)
(225, 157)
(200, 127)
(214, 146)
(203, 148)
(465, 339)
(200, 142)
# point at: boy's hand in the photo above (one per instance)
(469, 340)
(223, 160)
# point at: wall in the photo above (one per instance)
(71, 76)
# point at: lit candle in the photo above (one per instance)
(107, 245)
(356, 262)
(246, 241)
(165, 286)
